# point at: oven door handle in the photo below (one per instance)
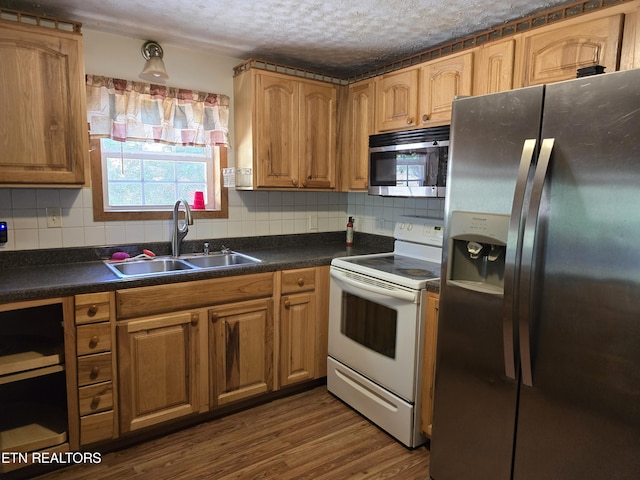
(373, 288)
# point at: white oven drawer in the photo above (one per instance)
(386, 410)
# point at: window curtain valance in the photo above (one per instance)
(126, 110)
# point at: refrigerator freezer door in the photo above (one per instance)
(581, 418)
(475, 402)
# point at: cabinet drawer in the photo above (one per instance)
(143, 301)
(93, 338)
(300, 280)
(94, 369)
(92, 308)
(96, 427)
(95, 398)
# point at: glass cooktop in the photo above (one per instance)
(403, 266)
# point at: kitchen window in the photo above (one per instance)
(142, 180)
(153, 144)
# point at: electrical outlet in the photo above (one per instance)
(313, 222)
(54, 217)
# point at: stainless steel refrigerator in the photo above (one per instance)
(538, 355)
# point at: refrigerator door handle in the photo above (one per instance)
(527, 264)
(512, 257)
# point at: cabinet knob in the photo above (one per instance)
(214, 317)
(425, 118)
(195, 318)
(95, 371)
(409, 120)
(93, 309)
(95, 401)
(294, 181)
(301, 282)
(287, 303)
(94, 341)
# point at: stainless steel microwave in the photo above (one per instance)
(411, 163)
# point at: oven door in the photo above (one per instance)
(374, 328)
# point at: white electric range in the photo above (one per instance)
(376, 327)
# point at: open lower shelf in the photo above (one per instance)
(19, 353)
(25, 427)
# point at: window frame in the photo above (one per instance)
(99, 213)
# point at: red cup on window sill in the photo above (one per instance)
(198, 201)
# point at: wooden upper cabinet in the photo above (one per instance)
(555, 54)
(285, 131)
(276, 124)
(317, 138)
(630, 49)
(441, 81)
(397, 100)
(43, 113)
(494, 65)
(358, 125)
(421, 96)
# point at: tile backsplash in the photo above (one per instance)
(250, 214)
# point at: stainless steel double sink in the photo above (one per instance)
(165, 265)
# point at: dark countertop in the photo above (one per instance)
(31, 275)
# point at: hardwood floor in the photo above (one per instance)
(311, 435)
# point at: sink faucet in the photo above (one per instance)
(179, 232)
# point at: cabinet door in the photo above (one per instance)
(494, 67)
(276, 139)
(158, 368)
(397, 100)
(297, 338)
(359, 125)
(317, 136)
(241, 350)
(43, 113)
(440, 82)
(555, 55)
(429, 363)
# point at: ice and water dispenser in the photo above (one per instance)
(477, 243)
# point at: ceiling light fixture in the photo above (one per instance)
(154, 70)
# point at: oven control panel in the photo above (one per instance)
(424, 230)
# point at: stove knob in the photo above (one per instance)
(410, 227)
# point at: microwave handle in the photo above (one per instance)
(341, 277)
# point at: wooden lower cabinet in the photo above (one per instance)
(241, 339)
(95, 368)
(303, 324)
(297, 338)
(429, 362)
(158, 367)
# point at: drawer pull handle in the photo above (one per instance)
(94, 341)
(93, 309)
(95, 371)
(300, 282)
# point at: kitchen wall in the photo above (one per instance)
(250, 213)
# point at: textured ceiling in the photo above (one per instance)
(335, 37)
